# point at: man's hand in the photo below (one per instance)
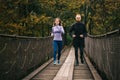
(81, 36)
(73, 35)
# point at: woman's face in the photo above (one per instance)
(57, 21)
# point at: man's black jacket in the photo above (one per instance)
(77, 29)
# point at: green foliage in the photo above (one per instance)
(103, 16)
(69, 39)
(35, 17)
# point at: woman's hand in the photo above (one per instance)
(51, 34)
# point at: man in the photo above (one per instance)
(78, 32)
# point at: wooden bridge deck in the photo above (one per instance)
(67, 70)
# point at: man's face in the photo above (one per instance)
(78, 18)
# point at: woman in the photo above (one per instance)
(57, 31)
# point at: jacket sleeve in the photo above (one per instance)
(84, 31)
(71, 30)
(62, 30)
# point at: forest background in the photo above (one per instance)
(35, 17)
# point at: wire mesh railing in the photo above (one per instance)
(21, 55)
(104, 52)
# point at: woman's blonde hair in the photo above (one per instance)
(60, 22)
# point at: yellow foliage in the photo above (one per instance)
(14, 25)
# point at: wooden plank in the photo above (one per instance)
(66, 71)
(37, 70)
(31, 75)
(50, 71)
(92, 69)
(82, 72)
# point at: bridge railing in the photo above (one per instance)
(20, 55)
(104, 52)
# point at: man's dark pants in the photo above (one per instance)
(76, 47)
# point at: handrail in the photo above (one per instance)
(25, 37)
(117, 31)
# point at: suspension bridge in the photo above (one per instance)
(31, 58)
